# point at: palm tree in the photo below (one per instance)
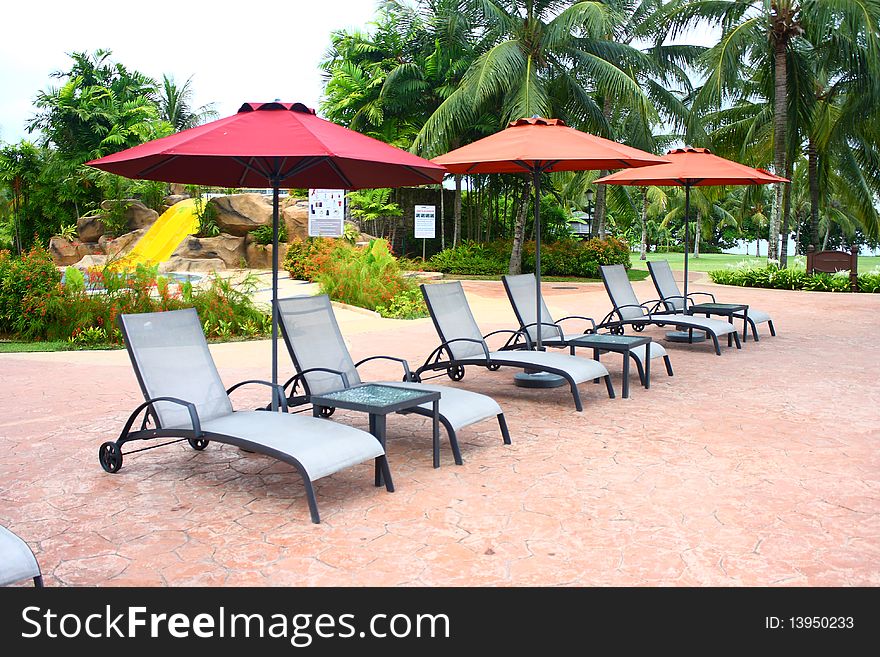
(175, 105)
(538, 57)
(767, 42)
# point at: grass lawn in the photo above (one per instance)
(713, 261)
(634, 275)
(57, 345)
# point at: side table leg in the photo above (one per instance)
(596, 357)
(626, 374)
(377, 428)
(648, 365)
(436, 432)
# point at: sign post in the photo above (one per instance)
(326, 212)
(425, 219)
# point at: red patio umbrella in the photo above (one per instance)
(537, 146)
(273, 145)
(692, 167)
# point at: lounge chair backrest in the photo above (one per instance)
(521, 292)
(620, 291)
(170, 357)
(453, 318)
(313, 338)
(667, 288)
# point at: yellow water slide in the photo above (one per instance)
(165, 235)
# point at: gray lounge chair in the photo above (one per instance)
(462, 344)
(186, 399)
(670, 294)
(17, 561)
(629, 311)
(521, 293)
(324, 365)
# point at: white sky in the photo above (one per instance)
(257, 50)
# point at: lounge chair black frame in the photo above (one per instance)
(442, 358)
(652, 315)
(290, 387)
(110, 454)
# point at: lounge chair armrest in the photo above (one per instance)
(277, 390)
(705, 294)
(586, 319)
(402, 361)
(555, 326)
(193, 413)
(300, 377)
(482, 343)
(512, 339)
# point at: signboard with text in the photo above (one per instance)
(424, 221)
(326, 212)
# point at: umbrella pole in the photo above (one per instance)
(274, 293)
(536, 178)
(687, 215)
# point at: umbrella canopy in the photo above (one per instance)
(692, 167)
(538, 145)
(272, 145)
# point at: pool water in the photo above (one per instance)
(175, 277)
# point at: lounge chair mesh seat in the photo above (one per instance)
(462, 341)
(171, 359)
(314, 340)
(521, 292)
(17, 561)
(630, 311)
(670, 294)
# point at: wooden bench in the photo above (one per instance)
(834, 261)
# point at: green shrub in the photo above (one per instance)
(409, 304)
(368, 277)
(27, 285)
(35, 306)
(207, 214)
(793, 278)
(263, 234)
(471, 259)
(306, 258)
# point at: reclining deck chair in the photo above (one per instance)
(324, 365)
(521, 292)
(670, 294)
(462, 344)
(185, 399)
(17, 560)
(629, 311)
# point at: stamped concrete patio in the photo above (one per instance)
(760, 467)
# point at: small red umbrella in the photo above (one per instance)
(692, 167)
(273, 145)
(537, 146)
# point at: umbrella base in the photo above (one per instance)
(685, 336)
(537, 380)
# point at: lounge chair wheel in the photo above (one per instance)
(493, 368)
(198, 444)
(110, 457)
(616, 330)
(326, 411)
(455, 372)
(638, 328)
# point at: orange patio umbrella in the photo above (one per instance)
(692, 167)
(538, 145)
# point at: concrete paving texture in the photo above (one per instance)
(756, 468)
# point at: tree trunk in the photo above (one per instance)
(456, 213)
(780, 127)
(827, 233)
(643, 253)
(602, 190)
(813, 175)
(786, 213)
(697, 234)
(515, 266)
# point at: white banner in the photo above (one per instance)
(326, 212)
(425, 221)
